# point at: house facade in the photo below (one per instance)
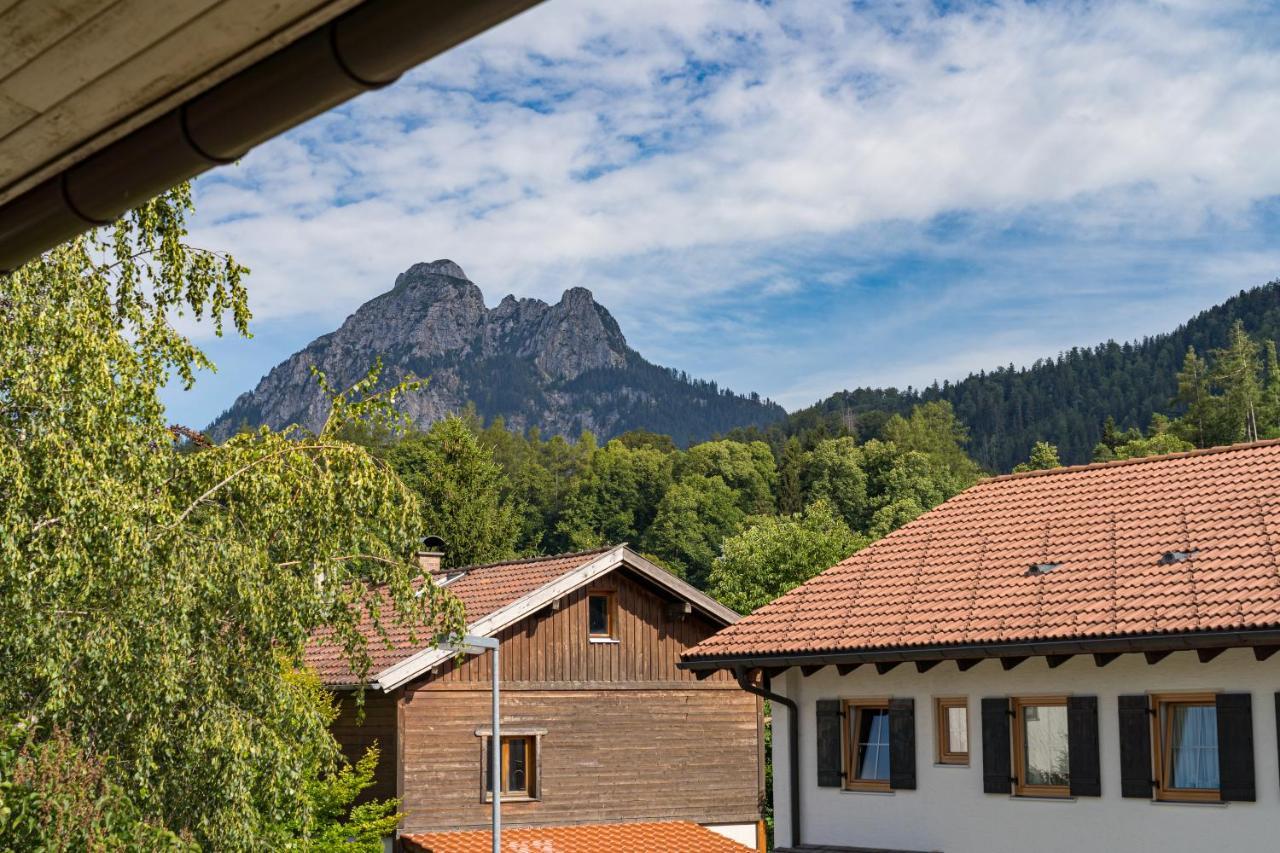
(1081, 658)
(599, 725)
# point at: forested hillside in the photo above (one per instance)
(1063, 400)
(492, 493)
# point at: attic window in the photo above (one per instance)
(1171, 557)
(1041, 569)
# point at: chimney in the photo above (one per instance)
(431, 555)
(429, 561)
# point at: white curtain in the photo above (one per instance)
(1193, 733)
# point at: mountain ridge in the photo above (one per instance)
(563, 367)
(1062, 399)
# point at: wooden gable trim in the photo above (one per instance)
(489, 625)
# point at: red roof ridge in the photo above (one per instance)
(1137, 460)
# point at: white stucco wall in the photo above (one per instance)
(743, 833)
(949, 812)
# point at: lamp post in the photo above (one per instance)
(473, 645)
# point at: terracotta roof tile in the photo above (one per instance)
(482, 590)
(959, 573)
(662, 837)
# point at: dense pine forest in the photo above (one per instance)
(1064, 400)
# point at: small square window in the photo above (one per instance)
(519, 767)
(866, 744)
(1186, 740)
(600, 615)
(952, 716)
(1042, 765)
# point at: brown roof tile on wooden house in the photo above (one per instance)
(1173, 544)
(482, 589)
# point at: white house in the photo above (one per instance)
(1065, 660)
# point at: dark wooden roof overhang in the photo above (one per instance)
(1208, 644)
(366, 48)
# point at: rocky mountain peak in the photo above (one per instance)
(443, 266)
(518, 359)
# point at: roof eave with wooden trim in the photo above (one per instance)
(1264, 641)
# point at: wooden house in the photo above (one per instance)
(1063, 660)
(599, 725)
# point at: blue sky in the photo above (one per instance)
(787, 197)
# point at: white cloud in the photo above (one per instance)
(668, 153)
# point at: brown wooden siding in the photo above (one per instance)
(688, 752)
(629, 736)
(552, 646)
(380, 726)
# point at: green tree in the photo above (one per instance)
(616, 497)
(460, 490)
(748, 470)
(694, 517)
(1201, 424)
(791, 477)
(833, 472)
(776, 553)
(332, 821)
(934, 430)
(1269, 411)
(1235, 370)
(903, 485)
(1043, 457)
(149, 595)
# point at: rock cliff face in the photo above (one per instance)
(562, 368)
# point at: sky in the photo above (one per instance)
(787, 197)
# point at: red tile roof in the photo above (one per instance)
(482, 590)
(959, 574)
(664, 837)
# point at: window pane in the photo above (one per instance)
(1193, 746)
(517, 765)
(872, 739)
(598, 609)
(1045, 741)
(957, 729)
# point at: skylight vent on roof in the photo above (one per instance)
(1038, 569)
(1171, 557)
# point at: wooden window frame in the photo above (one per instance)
(1161, 743)
(850, 717)
(611, 611)
(533, 760)
(1021, 787)
(946, 755)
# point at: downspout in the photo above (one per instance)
(793, 739)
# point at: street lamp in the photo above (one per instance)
(473, 645)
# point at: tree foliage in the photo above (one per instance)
(1044, 456)
(331, 820)
(777, 553)
(460, 492)
(149, 596)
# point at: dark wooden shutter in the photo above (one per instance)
(1235, 747)
(1082, 746)
(1135, 747)
(830, 754)
(997, 764)
(902, 744)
